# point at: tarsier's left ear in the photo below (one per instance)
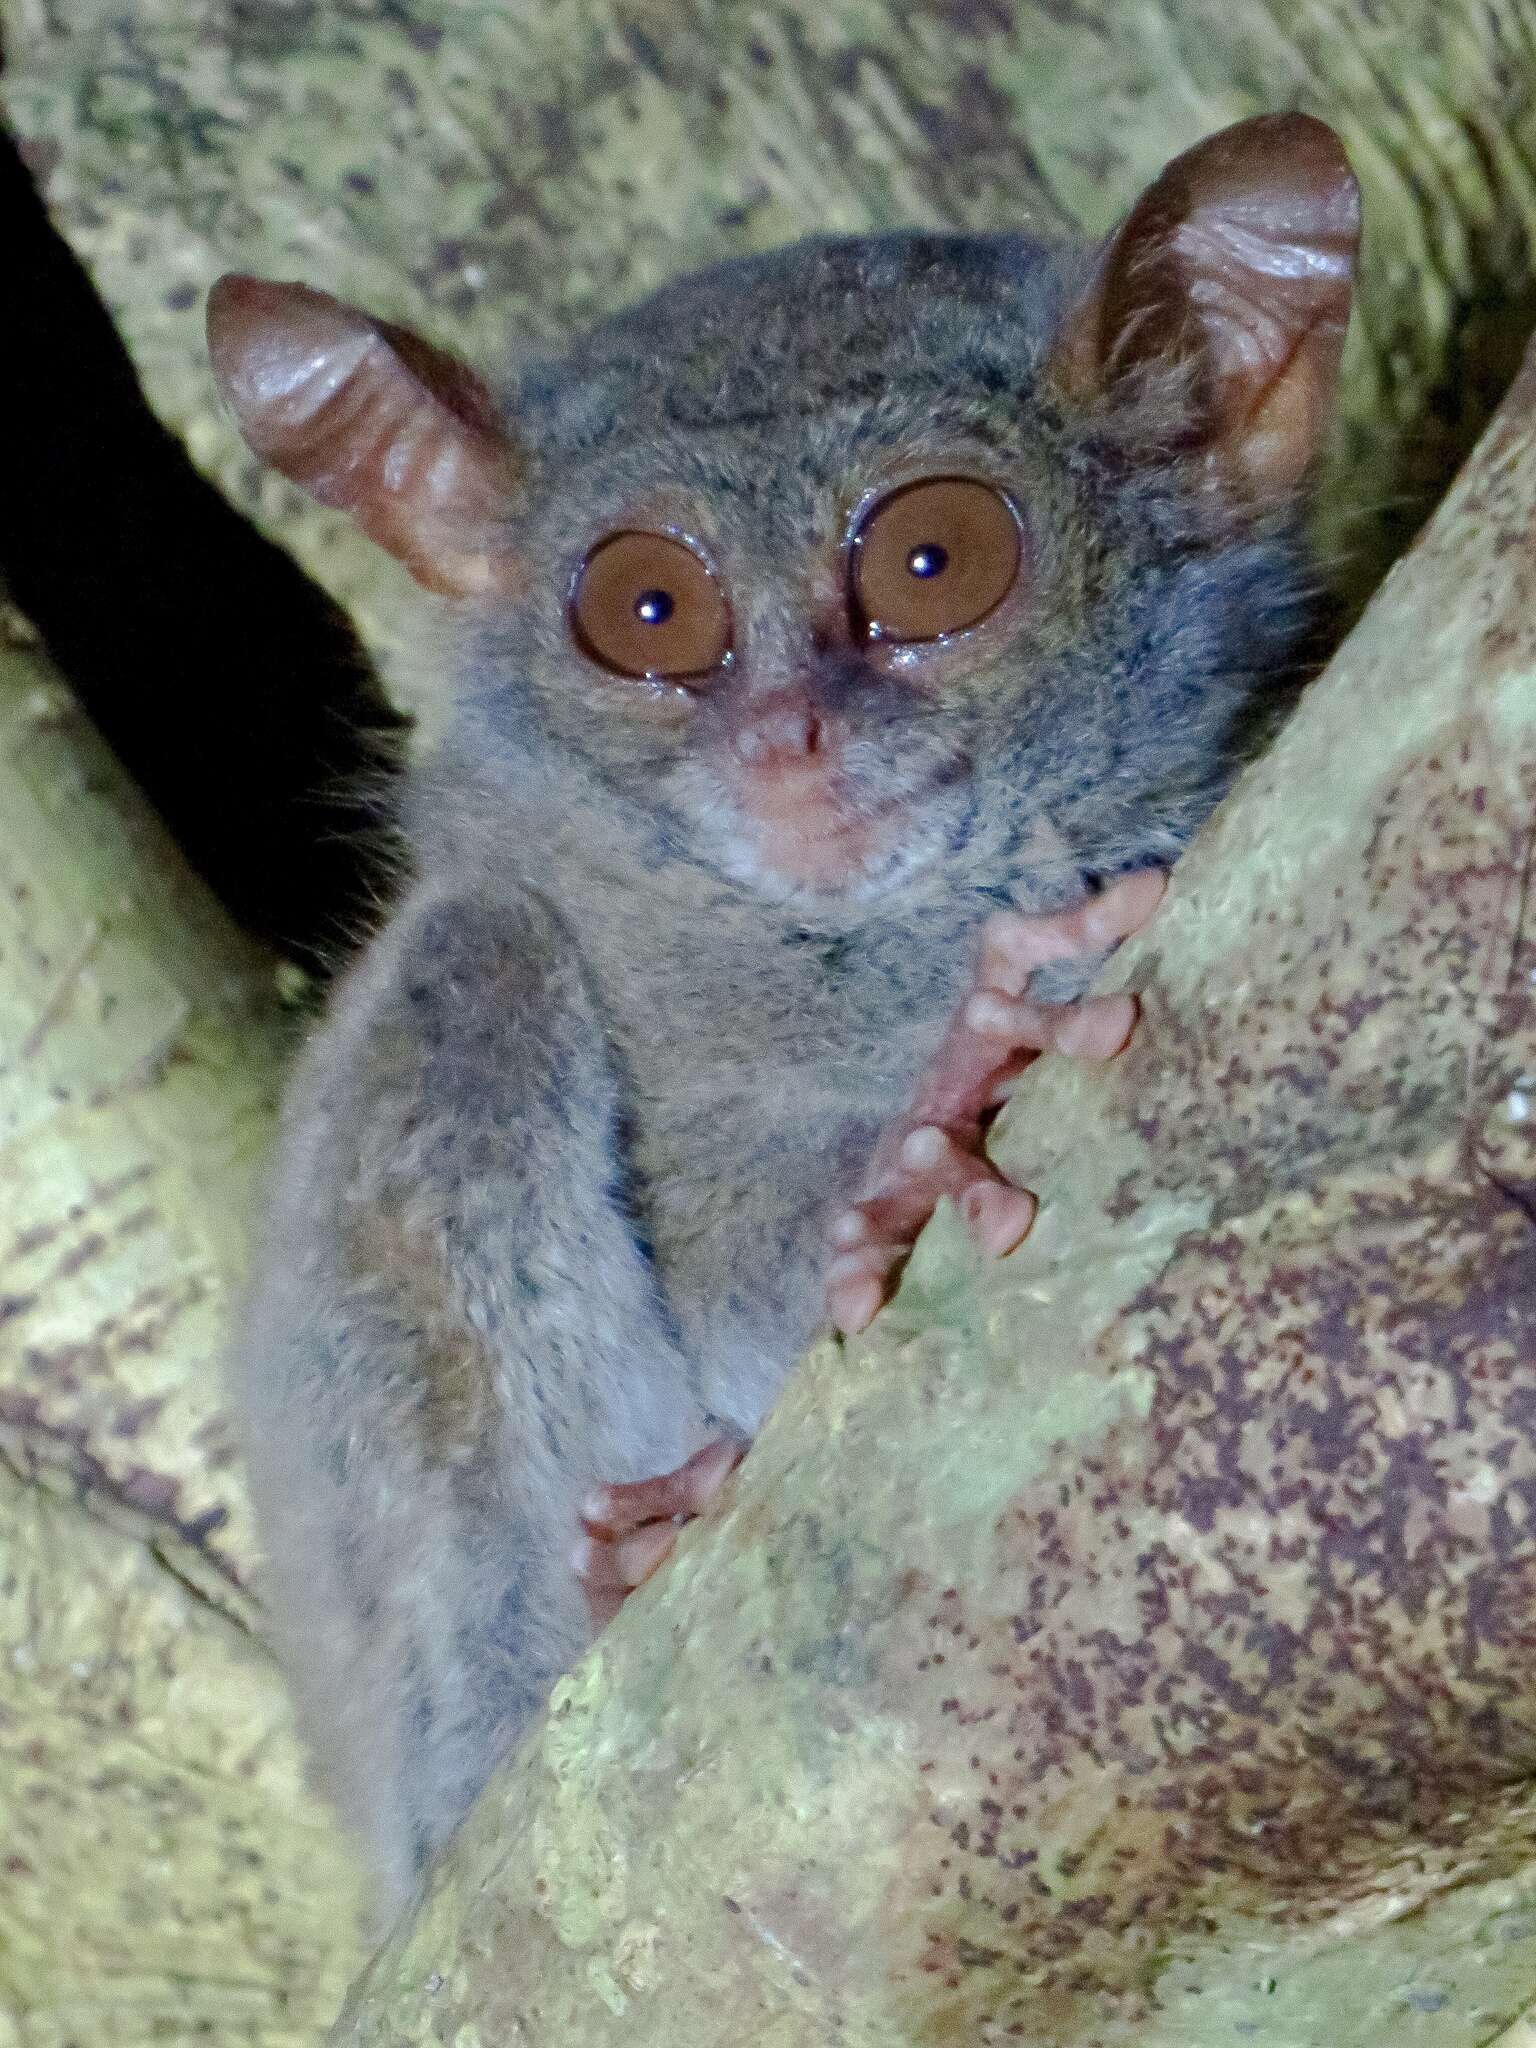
(1238, 264)
(372, 420)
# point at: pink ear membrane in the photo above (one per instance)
(1239, 260)
(370, 419)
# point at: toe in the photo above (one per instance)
(607, 1565)
(639, 1555)
(852, 1305)
(998, 1216)
(849, 1230)
(1014, 944)
(1123, 908)
(1018, 1023)
(1096, 1028)
(613, 1511)
(857, 1285)
(707, 1471)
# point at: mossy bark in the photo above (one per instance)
(1131, 1641)
(162, 1873)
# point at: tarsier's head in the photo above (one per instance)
(877, 553)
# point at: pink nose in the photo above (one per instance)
(777, 729)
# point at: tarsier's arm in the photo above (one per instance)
(935, 1148)
(457, 1334)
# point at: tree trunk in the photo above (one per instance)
(162, 1875)
(1131, 1641)
(1129, 1644)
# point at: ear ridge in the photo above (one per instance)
(1236, 265)
(372, 420)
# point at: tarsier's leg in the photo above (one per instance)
(936, 1147)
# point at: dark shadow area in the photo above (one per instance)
(228, 684)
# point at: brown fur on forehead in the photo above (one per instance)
(825, 323)
(773, 497)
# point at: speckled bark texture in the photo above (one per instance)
(497, 172)
(163, 1877)
(1133, 1642)
(1130, 1645)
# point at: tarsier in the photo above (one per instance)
(838, 638)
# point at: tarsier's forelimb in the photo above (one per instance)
(628, 1531)
(935, 1148)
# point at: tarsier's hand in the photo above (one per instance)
(936, 1147)
(628, 1531)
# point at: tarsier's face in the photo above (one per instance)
(800, 772)
(788, 595)
(831, 565)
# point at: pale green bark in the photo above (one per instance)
(162, 1874)
(771, 1725)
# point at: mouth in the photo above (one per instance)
(821, 846)
(817, 837)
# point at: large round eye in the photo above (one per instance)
(646, 605)
(934, 558)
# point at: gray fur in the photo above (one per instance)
(556, 1169)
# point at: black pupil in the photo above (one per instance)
(928, 559)
(654, 607)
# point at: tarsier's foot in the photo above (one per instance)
(627, 1531)
(936, 1148)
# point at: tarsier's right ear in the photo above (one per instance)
(372, 420)
(1235, 268)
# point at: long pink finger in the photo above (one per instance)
(1094, 1029)
(605, 1567)
(1016, 943)
(611, 1510)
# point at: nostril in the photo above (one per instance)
(780, 732)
